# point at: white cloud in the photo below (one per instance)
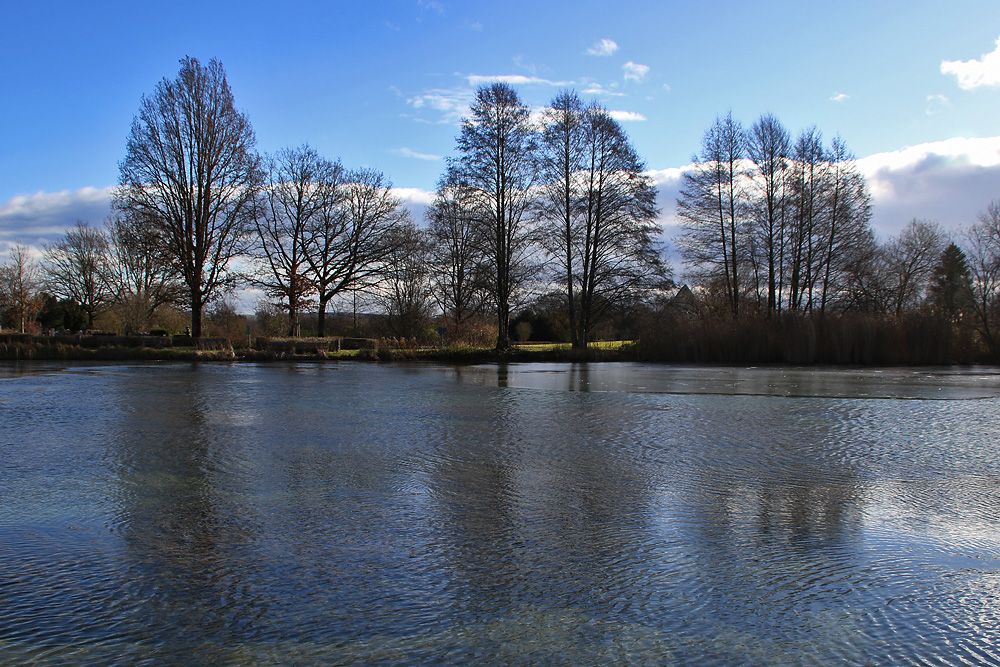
(635, 71)
(597, 89)
(626, 116)
(432, 5)
(452, 104)
(408, 152)
(605, 47)
(667, 87)
(416, 201)
(415, 196)
(840, 97)
(937, 104)
(975, 73)
(513, 79)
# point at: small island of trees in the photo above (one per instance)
(544, 226)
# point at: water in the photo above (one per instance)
(369, 514)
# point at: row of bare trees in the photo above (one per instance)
(567, 191)
(119, 268)
(770, 222)
(300, 227)
(322, 230)
(553, 204)
(560, 203)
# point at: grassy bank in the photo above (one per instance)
(24, 347)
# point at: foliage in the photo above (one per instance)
(950, 290)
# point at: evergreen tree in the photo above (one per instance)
(950, 292)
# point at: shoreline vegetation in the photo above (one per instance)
(102, 347)
(914, 340)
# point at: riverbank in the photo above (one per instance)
(26, 347)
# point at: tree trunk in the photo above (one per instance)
(196, 307)
(503, 328)
(293, 318)
(321, 319)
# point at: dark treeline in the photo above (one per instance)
(543, 227)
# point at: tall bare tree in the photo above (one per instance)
(351, 236)
(768, 148)
(845, 220)
(562, 163)
(76, 268)
(983, 251)
(712, 209)
(497, 164)
(805, 233)
(21, 287)
(190, 167)
(301, 187)
(599, 213)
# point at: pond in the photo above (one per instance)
(377, 514)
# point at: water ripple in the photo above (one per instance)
(385, 515)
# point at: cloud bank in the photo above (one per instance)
(44, 217)
(949, 182)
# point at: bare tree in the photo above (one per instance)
(768, 147)
(20, 288)
(76, 268)
(562, 161)
(910, 259)
(301, 187)
(497, 164)
(845, 221)
(140, 274)
(190, 167)
(454, 255)
(602, 212)
(865, 278)
(983, 252)
(404, 293)
(347, 241)
(712, 208)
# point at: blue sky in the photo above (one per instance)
(383, 84)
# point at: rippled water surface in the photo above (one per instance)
(525, 514)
